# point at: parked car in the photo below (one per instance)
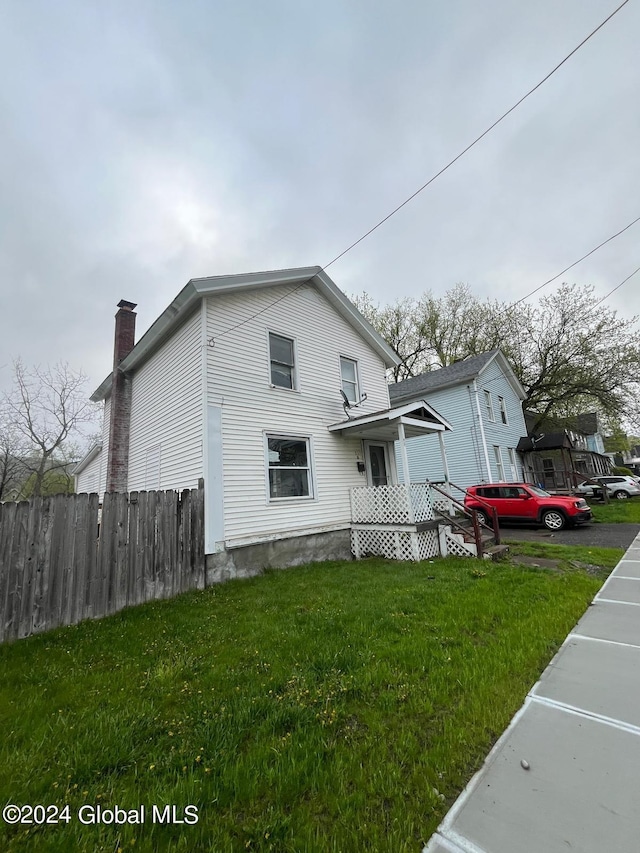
(619, 486)
(524, 502)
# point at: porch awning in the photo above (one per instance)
(418, 418)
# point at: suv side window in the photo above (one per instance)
(510, 492)
(489, 492)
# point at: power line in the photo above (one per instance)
(607, 295)
(437, 175)
(476, 140)
(575, 263)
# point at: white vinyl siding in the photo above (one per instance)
(250, 408)
(94, 477)
(152, 468)
(88, 480)
(166, 413)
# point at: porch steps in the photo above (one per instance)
(496, 552)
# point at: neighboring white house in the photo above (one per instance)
(272, 388)
(482, 399)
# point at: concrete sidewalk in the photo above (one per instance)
(565, 775)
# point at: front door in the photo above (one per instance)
(377, 464)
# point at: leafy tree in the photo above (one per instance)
(570, 353)
(48, 408)
(54, 482)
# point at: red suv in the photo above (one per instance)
(524, 502)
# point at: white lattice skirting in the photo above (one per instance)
(397, 504)
(394, 544)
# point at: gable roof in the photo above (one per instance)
(462, 372)
(418, 419)
(189, 298)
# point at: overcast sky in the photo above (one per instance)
(147, 142)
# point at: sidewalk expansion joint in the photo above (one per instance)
(453, 842)
(588, 715)
(603, 640)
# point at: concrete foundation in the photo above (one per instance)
(251, 560)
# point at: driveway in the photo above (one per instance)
(598, 535)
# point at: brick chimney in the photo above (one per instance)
(118, 459)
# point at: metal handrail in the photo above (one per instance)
(492, 511)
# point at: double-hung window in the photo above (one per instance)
(282, 361)
(349, 374)
(503, 410)
(489, 405)
(513, 461)
(289, 467)
(499, 463)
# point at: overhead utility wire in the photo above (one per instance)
(476, 140)
(607, 295)
(575, 263)
(437, 175)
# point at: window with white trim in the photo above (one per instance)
(499, 463)
(282, 361)
(289, 467)
(349, 375)
(489, 405)
(513, 462)
(503, 410)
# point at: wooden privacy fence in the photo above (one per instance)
(62, 559)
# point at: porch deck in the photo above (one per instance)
(402, 522)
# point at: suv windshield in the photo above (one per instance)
(540, 492)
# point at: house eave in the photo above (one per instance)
(87, 459)
(383, 426)
(196, 289)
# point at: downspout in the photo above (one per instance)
(484, 439)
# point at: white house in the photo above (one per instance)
(271, 388)
(482, 400)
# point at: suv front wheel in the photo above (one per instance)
(553, 519)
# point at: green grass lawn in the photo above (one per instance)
(335, 707)
(569, 556)
(617, 511)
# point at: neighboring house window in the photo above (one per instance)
(289, 467)
(503, 410)
(282, 361)
(499, 463)
(152, 468)
(513, 461)
(489, 404)
(349, 374)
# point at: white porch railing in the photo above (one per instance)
(401, 504)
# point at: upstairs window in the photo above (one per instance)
(503, 410)
(289, 467)
(282, 361)
(489, 405)
(349, 374)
